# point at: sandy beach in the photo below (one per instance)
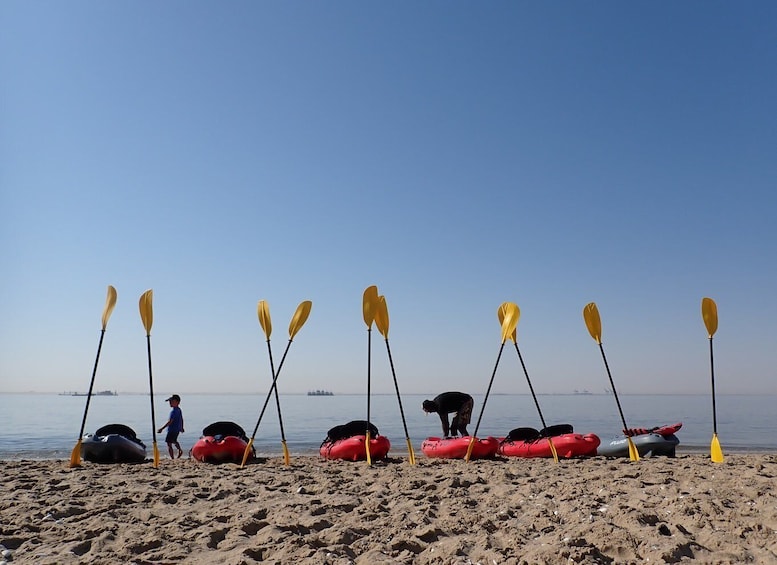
(515, 511)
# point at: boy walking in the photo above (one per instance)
(174, 426)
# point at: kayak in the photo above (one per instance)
(353, 448)
(114, 443)
(222, 442)
(666, 430)
(646, 444)
(456, 447)
(567, 445)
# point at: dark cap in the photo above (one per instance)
(174, 397)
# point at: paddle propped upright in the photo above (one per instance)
(511, 315)
(297, 321)
(500, 314)
(594, 324)
(263, 312)
(110, 303)
(382, 323)
(369, 306)
(147, 317)
(709, 313)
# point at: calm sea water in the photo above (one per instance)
(46, 426)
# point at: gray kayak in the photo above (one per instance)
(646, 444)
(114, 443)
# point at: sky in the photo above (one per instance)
(455, 154)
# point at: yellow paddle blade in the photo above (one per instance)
(263, 311)
(511, 315)
(367, 447)
(299, 318)
(286, 458)
(247, 452)
(411, 453)
(369, 303)
(469, 449)
(382, 316)
(716, 453)
(553, 450)
(110, 302)
(75, 455)
(592, 321)
(709, 312)
(147, 310)
(500, 313)
(156, 456)
(633, 453)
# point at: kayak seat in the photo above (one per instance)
(224, 429)
(350, 429)
(557, 430)
(119, 430)
(523, 434)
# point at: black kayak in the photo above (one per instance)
(114, 443)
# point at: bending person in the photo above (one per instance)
(449, 402)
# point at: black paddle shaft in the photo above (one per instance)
(531, 388)
(91, 384)
(712, 376)
(612, 384)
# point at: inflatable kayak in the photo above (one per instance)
(646, 444)
(353, 448)
(456, 447)
(221, 442)
(114, 443)
(567, 445)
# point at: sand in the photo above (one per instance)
(595, 510)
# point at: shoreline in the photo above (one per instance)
(593, 510)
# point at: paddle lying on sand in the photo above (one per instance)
(594, 324)
(510, 321)
(382, 323)
(147, 316)
(263, 311)
(501, 313)
(709, 313)
(110, 302)
(297, 321)
(369, 307)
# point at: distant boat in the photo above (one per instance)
(98, 393)
(582, 392)
(320, 393)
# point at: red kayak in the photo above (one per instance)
(456, 447)
(221, 442)
(567, 445)
(353, 448)
(666, 430)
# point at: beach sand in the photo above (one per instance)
(595, 510)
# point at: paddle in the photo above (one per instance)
(509, 323)
(500, 313)
(147, 316)
(110, 302)
(369, 307)
(263, 311)
(709, 313)
(382, 323)
(297, 321)
(594, 324)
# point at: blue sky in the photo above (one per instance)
(455, 154)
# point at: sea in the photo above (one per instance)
(46, 426)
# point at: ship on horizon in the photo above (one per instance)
(98, 393)
(320, 393)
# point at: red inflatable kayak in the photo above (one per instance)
(456, 447)
(353, 448)
(222, 449)
(567, 445)
(666, 430)
(222, 442)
